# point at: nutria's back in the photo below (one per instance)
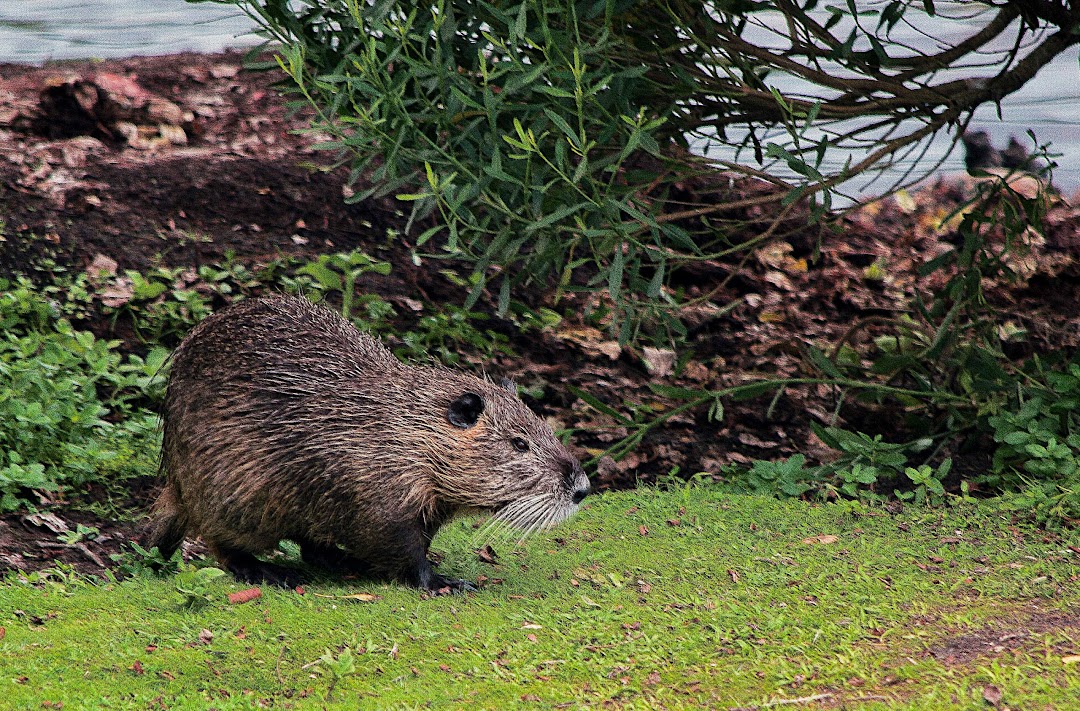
(281, 420)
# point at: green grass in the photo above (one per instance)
(648, 599)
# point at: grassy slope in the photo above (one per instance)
(730, 607)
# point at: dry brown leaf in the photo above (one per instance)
(242, 596)
(660, 362)
(118, 293)
(779, 280)
(820, 540)
(752, 441)
(905, 201)
(591, 340)
(355, 597)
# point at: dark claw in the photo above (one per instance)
(449, 586)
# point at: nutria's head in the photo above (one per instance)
(515, 465)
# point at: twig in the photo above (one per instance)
(783, 702)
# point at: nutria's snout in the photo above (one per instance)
(579, 486)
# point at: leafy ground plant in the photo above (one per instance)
(686, 598)
(62, 392)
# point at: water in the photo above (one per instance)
(1048, 105)
(36, 31)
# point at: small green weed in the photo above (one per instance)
(80, 534)
(136, 561)
(339, 272)
(448, 331)
(1037, 433)
(927, 482)
(337, 666)
(194, 586)
(787, 477)
(162, 304)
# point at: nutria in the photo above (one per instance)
(282, 421)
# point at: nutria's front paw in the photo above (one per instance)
(449, 586)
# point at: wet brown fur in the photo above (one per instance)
(282, 421)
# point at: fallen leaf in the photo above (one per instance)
(591, 341)
(1067, 659)
(823, 540)
(779, 280)
(752, 441)
(50, 521)
(242, 596)
(993, 695)
(206, 636)
(487, 555)
(137, 668)
(118, 293)
(531, 626)
(643, 530)
(356, 597)
(224, 71)
(905, 201)
(101, 266)
(660, 362)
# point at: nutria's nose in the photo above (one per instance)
(576, 480)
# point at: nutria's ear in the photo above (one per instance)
(509, 385)
(465, 410)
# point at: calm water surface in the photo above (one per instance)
(36, 31)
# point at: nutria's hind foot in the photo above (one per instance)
(249, 569)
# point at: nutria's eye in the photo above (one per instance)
(520, 444)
